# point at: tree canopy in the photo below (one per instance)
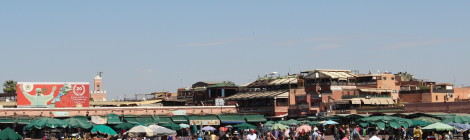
(9, 86)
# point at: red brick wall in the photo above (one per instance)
(410, 98)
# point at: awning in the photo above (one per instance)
(146, 120)
(390, 101)
(356, 102)
(231, 119)
(164, 120)
(24, 120)
(255, 118)
(366, 101)
(131, 120)
(259, 95)
(179, 119)
(375, 90)
(382, 101)
(7, 120)
(374, 101)
(113, 119)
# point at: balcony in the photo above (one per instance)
(364, 96)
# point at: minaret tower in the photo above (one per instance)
(98, 94)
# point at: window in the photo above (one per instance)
(436, 98)
(384, 78)
(392, 78)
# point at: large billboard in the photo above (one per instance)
(53, 94)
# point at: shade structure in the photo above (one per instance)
(103, 129)
(329, 122)
(459, 126)
(208, 128)
(420, 123)
(9, 134)
(232, 118)
(427, 119)
(78, 123)
(305, 128)
(279, 126)
(255, 118)
(457, 119)
(438, 127)
(124, 126)
(384, 121)
(228, 126)
(179, 119)
(140, 130)
(184, 125)
(172, 126)
(113, 119)
(245, 126)
(313, 123)
(160, 130)
(46, 122)
(292, 122)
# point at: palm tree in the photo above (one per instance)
(9, 86)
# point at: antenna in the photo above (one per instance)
(99, 73)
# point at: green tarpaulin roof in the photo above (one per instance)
(223, 85)
(6, 120)
(232, 118)
(146, 120)
(131, 120)
(204, 117)
(114, 119)
(255, 118)
(179, 119)
(164, 120)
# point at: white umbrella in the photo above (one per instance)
(160, 130)
(135, 131)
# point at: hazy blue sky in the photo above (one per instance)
(146, 46)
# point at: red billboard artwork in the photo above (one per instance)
(53, 94)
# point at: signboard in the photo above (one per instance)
(60, 114)
(178, 112)
(53, 94)
(204, 122)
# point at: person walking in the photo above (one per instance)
(418, 134)
(251, 136)
(374, 136)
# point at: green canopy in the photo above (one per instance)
(179, 119)
(131, 120)
(146, 120)
(456, 119)
(164, 120)
(383, 121)
(255, 118)
(78, 123)
(438, 127)
(420, 123)
(427, 119)
(232, 118)
(172, 126)
(124, 126)
(113, 119)
(7, 120)
(313, 123)
(103, 129)
(46, 122)
(245, 126)
(279, 126)
(9, 134)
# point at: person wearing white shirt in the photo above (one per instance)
(374, 137)
(251, 136)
